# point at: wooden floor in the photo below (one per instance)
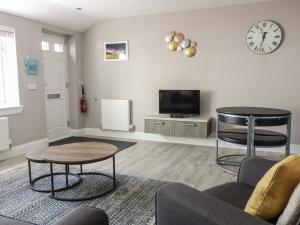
(192, 165)
(189, 164)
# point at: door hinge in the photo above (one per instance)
(68, 123)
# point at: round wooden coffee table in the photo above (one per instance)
(80, 154)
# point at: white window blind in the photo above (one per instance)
(9, 87)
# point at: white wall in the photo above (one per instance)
(224, 69)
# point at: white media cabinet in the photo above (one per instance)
(198, 127)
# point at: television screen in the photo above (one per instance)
(179, 102)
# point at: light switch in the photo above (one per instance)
(32, 86)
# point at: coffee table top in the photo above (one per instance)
(36, 156)
(75, 153)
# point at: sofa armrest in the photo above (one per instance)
(84, 216)
(252, 169)
(178, 204)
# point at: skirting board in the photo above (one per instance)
(24, 148)
(211, 142)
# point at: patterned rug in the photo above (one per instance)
(131, 203)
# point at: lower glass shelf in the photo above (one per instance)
(262, 138)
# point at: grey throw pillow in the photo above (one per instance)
(291, 212)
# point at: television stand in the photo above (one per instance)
(198, 126)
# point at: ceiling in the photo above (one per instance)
(63, 13)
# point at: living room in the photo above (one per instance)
(160, 112)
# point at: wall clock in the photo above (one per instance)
(264, 37)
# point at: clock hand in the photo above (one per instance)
(263, 39)
(264, 36)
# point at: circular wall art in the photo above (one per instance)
(169, 38)
(190, 52)
(178, 37)
(185, 43)
(194, 44)
(173, 46)
(178, 42)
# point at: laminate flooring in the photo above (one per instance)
(189, 164)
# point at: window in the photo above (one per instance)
(58, 48)
(9, 87)
(45, 46)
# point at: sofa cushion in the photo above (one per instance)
(236, 194)
(273, 191)
(8, 221)
(291, 212)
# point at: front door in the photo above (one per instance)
(56, 86)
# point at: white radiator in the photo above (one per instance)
(4, 134)
(115, 114)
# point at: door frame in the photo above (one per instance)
(46, 33)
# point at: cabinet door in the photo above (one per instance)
(163, 127)
(191, 129)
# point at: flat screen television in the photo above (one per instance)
(179, 103)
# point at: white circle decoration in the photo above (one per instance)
(185, 43)
(169, 38)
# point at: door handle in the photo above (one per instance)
(159, 123)
(190, 124)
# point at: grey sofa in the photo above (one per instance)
(79, 216)
(178, 204)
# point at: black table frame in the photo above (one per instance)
(67, 166)
(33, 180)
(251, 124)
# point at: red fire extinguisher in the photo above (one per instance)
(83, 102)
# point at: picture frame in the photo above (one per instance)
(31, 66)
(116, 51)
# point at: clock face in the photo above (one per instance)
(264, 37)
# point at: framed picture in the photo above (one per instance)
(31, 66)
(116, 51)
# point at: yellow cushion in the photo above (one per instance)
(273, 191)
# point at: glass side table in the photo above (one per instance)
(246, 123)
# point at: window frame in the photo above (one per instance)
(13, 108)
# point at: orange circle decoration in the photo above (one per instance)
(179, 37)
(190, 52)
(194, 44)
(173, 46)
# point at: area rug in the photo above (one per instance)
(131, 203)
(120, 144)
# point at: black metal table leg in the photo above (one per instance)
(114, 171)
(29, 171)
(81, 169)
(52, 180)
(67, 175)
(288, 144)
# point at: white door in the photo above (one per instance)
(56, 86)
